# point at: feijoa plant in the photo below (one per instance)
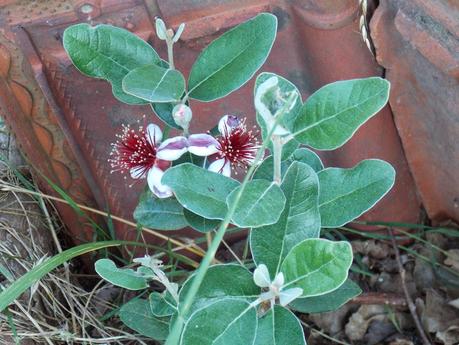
(285, 198)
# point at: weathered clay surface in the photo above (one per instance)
(77, 117)
(417, 42)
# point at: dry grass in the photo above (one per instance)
(57, 309)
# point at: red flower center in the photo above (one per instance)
(133, 151)
(238, 146)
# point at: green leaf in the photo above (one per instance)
(308, 157)
(162, 304)
(265, 170)
(15, 290)
(279, 327)
(201, 191)
(164, 112)
(160, 214)
(285, 87)
(226, 322)
(188, 157)
(154, 84)
(123, 277)
(317, 266)
(199, 223)
(261, 203)
(299, 220)
(109, 53)
(232, 59)
(221, 281)
(137, 315)
(331, 115)
(328, 302)
(345, 194)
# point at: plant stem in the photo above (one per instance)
(174, 335)
(177, 328)
(277, 155)
(170, 53)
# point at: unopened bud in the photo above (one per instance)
(170, 34)
(182, 115)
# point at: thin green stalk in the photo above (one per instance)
(277, 157)
(170, 52)
(177, 328)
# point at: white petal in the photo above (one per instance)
(137, 173)
(154, 183)
(266, 296)
(287, 296)
(172, 149)
(154, 133)
(221, 166)
(261, 276)
(202, 144)
(279, 280)
(227, 123)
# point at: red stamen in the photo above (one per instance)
(133, 150)
(238, 146)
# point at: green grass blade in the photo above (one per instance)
(12, 326)
(15, 290)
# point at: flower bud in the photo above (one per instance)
(182, 115)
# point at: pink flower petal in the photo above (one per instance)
(221, 166)
(227, 123)
(202, 144)
(154, 134)
(172, 149)
(154, 183)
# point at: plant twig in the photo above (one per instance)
(381, 299)
(409, 300)
(322, 334)
(233, 253)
